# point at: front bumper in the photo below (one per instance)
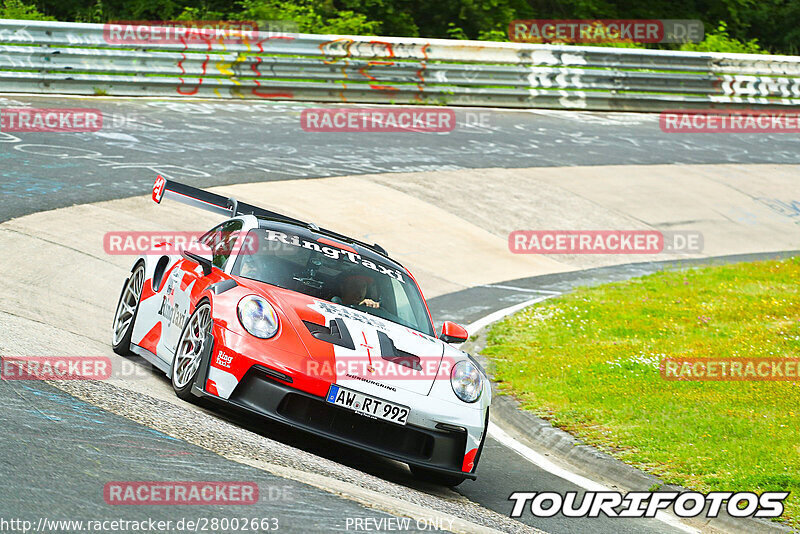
(440, 450)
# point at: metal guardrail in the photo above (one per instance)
(58, 57)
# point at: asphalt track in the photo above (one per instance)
(58, 453)
(73, 445)
(216, 143)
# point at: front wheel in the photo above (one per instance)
(127, 309)
(195, 338)
(434, 477)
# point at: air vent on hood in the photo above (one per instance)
(393, 354)
(336, 332)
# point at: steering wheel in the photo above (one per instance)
(380, 312)
(307, 277)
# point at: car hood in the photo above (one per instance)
(365, 353)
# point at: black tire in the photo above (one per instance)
(127, 310)
(196, 333)
(434, 477)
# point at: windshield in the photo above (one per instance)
(334, 274)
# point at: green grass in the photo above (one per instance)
(589, 363)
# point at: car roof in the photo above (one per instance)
(313, 233)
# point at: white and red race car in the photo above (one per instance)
(310, 328)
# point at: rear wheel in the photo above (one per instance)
(127, 308)
(195, 338)
(434, 477)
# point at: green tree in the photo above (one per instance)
(750, 25)
(311, 16)
(720, 40)
(16, 9)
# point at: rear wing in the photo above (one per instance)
(230, 207)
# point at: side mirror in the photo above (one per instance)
(453, 333)
(203, 261)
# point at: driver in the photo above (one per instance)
(353, 291)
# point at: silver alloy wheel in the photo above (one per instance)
(191, 345)
(127, 304)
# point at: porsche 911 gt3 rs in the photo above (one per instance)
(307, 327)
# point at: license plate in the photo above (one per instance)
(367, 405)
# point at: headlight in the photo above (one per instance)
(257, 316)
(467, 381)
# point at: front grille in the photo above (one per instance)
(441, 447)
(327, 418)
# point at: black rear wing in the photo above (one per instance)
(230, 207)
